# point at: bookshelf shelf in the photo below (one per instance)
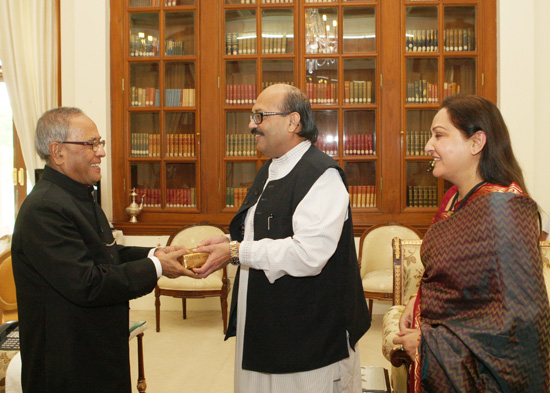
(186, 74)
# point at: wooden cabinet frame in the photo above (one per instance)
(390, 106)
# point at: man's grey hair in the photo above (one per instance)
(53, 126)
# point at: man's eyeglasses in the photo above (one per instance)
(258, 117)
(95, 144)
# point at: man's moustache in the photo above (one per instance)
(256, 131)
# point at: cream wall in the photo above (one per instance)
(523, 89)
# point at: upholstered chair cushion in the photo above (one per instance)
(378, 281)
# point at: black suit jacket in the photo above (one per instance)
(73, 285)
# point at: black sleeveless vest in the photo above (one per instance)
(297, 323)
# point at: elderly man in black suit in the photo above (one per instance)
(73, 281)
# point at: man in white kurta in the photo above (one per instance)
(317, 225)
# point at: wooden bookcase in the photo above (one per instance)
(185, 73)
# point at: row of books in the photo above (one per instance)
(144, 145)
(240, 44)
(149, 96)
(322, 92)
(421, 40)
(455, 40)
(358, 92)
(240, 94)
(360, 144)
(234, 196)
(362, 196)
(151, 197)
(144, 96)
(179, 97)
(185, 197)
(240, 145)
(459, 39)
(327, 144)
(421, 92)
(450, 88)
(274, 45)
(415, 141)
(148, 145)
(180, 145)
(422, 196)
(174, 48)
(145, 3)
(142, 46)
(267, 84)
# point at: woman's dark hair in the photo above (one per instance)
(470, 113)
(297, 101)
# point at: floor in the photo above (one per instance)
(190, 356)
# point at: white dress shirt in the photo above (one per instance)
(317, 224)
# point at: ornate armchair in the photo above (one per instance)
(217, 284)
(408, 270)
(375, 255)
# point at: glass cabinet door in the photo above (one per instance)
(359, 30)
(362, 183)
(359, 133)
(180, 134)
(181, 189)
(460, 28)
(239, 176)
(144, 84)
(250, 65)
(277, 31)
(145, 178)
(359, 79)
(144, 35)
(179, 33)
(162, 110)
(450, 67)
(327, 124)
(340, 42)
(145, 134)
(277, 71)
(240, 79)
(240, 32)
(239, 142)
(422, 29)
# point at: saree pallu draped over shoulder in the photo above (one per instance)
(485, 316)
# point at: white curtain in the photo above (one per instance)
(28, 50)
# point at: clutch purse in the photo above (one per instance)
(194, 259)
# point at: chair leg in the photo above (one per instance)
(142, 384)
(184, 305)
(157, 308)
(370, 307)
(223, 301)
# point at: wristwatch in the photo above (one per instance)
(234, 253)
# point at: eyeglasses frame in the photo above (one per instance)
(94, 145)
(262, 114)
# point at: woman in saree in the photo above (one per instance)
(481, 319)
